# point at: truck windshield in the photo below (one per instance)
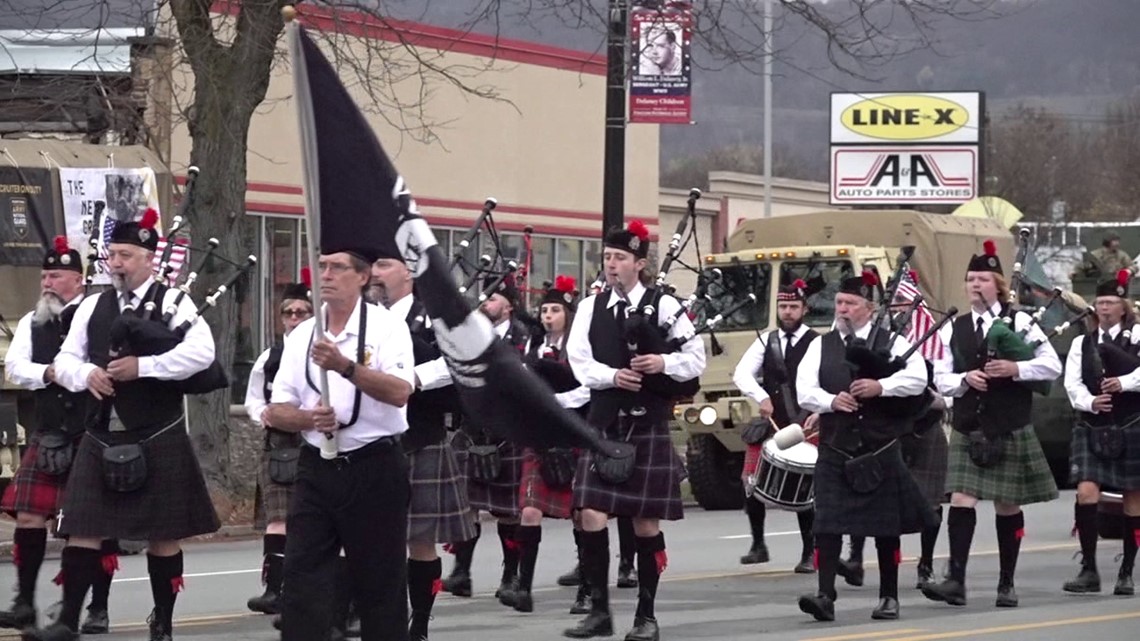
(828, 273)
(727, 287)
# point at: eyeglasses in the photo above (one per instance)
(335, 268)
(299, 313)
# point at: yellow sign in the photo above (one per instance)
(905, 117)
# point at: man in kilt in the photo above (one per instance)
(862, 487)
(774, 358)
(140, 402)
(438, 511)
(994, 453)
(274, 483)
(36, 491)
(1102, 378)
(494, 491)
(631, 398)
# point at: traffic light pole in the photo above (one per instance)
(613, 189)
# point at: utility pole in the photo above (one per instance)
(613, 185)
(768, 108)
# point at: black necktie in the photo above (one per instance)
(847, 339)
(128, 298)
(789, 336)
(622, 306)
(979, 335)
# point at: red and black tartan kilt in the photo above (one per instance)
(32, 491)
(534, 492)
(654, 489)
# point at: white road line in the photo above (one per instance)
(134, 579)
(766, 535)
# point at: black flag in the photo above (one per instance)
(366, 208)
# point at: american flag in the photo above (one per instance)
(921, 321)
(177, 254)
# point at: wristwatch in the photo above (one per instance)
(349, 371)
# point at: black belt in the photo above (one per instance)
(375, 448)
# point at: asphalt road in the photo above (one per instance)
(705, 594)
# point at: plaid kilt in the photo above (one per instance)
(31, 490)
(501, 496)
(174, 504)
(534, 492)
(752, 457)
(654, 489)
(896, 507)
(927, 462)
(437, 510)
(1023, 478)
(1121, 474)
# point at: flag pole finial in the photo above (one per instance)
(288, 12)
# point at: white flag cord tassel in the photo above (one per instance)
(312, 193)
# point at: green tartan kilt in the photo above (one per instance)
(1023, 478)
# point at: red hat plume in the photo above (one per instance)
(638, 228)
(990, 248)
(307, 277)
(913, 276)
(1123, 276)
(799, 284)
(869, 278)
(60, 243)
(149, 218)
(565, 284)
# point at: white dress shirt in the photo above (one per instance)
(747, 372)
(909, 381)
(684, 365)
(432, 374)
(194, 354)
(570, 399)
(1080, 396)
(387, 349)
(255, 390)
(18, 366)
(1044, 366)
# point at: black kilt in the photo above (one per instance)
(271, 499)
(926, 457)
(654, 489)
(31, 490)
(1121, 474)
(896, 507)
(438, 511)
(500, 497)
(173, 504)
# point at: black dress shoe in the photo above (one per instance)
(596, 624)
(267, 603)
(54, 632)
(336, 634)
(458, 584)
(581, 601)
(949, 591)
(352, 625)
(277, 622)
(925, 576)
(97, 622)
(805, 566)
(643, 630)
(758, 554)
(1124, 585)
(1006, 597)
(571, 578)
(820, 606)
(888, 609)
(20, 616)
(1088, 580)
(851, 571)
(158, 629)
(520, 600)
(627, 576)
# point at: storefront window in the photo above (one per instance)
(570, 259)
(542, 262)
(591, 264)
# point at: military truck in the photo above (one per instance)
(764, 254)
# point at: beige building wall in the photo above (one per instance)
(744, 196)
(673, 208)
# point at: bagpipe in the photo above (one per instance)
(147, 331)
(553, 369)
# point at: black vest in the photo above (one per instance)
(516, 336)
(1125, 405)
(55, 407)
(272, 364)
(773, 379)
(144, 402)
(608, 347)
(1007, 404)
(428, 410)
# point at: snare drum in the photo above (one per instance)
(786, 478)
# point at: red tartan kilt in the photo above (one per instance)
(533, 491)
(751, 461)
(33, 491)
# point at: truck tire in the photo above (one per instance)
(714, 473)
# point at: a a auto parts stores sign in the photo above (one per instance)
(905, 148)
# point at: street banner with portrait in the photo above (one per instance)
(661, 73)
(27, 215)
(94, 199)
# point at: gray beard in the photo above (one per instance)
(119, 282)
(48, 308)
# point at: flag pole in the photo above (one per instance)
(312, 194)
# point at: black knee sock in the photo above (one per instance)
(28, 551)
(596, 568)
(1086, 518)
(423, 585)
(806, 520)
(929, 538)
(165, 584)
(888, 550)
(80, 567)
(756, 514)
(465, 551)
(510, 551)
(101, 588)
(529, 537)
(651, 562)
(827, 550)
(960, 525)
(273, 563)
(1131, 541)
(627, 541)
(1010, 530)
(855, 555)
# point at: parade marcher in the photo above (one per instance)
(994, 452)
(499, 494)
(138, 414)
(862, 487)
(437, 511)
(1102, 379)
(358, 500)
(630, 399)
(274, 480)
(774, 358)
(36, 491)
